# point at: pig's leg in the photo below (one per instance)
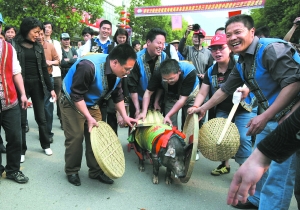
(139, 152)
(155, 169)
(168, 178)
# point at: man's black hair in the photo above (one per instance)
(105, 22)
(169, 66)
(245, 19)
(121, 31)
(151, 35)
(87, 30)
(220, 29)
(122, 53)
(264, 30)
(48, 22)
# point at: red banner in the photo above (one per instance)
(203, 7)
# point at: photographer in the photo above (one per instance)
(289, 34)
(197, 54)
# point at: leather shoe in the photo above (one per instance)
(74, 179)
(105, 179)
(247, 205)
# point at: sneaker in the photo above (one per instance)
(48, 151)
(222, 169)
(22, 158)
(18, 176)
(197, 155)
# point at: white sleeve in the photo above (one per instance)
(57, 47)
(16, 64)
(173, 53)
(84, 49)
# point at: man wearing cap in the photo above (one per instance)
(200, 56)
(11, 82)
(52, 59)
(136, 45)
(91, 79)
(69, 54)
(175, 43)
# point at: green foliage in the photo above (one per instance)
(59, 12)
(278, 16)
(141, 25)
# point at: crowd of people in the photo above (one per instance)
(104, 78)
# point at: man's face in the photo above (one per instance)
(105, 31)
(137, 47)
(156, 46)
(87, 37)
(172, 78)
(239, 37)
(41, 37)
(65, 42)
(48, 29)
(176, 46)
(122, 70)
(196, 40)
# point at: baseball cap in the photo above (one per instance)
(1, 19)
(65, 36)
(174, 41)
(218, 39)
(200, 32)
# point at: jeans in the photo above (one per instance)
(275, 189)
(11, 123)
(57, 90)
(75, 130)
(241, 119)
(49, 107)
(34, 90)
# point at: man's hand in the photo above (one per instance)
(156, 106)
(53, 95)
(91, 123)
(167, 120)
(49, 63)
(24, 101)
(129, 121)
(191, 110)
(245, 92)
(256, 125)
(142, 116)
(295, 21)
(120, 120)
(201, 112)
(245, 179)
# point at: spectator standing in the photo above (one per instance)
(11, 81)
(10, 32)
(136, 45)
(175, 43)
(36, 78)
(56, 73)
(52, 59)
(87, 34)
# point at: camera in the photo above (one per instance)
(196, 27)
(298, 22)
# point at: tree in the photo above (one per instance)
(64, 14)
(278, 16)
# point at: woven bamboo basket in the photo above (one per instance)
(152, 118)
(208, 138)
(190, 129)
(108, 150)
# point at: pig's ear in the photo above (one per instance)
(171, 152)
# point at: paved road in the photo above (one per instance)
(49, 189)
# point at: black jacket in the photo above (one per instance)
(66, 65)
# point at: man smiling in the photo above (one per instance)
(270, 69)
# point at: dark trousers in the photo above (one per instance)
(297, 179)
(57, 90)
(108, 112)
(49, 107)
(34, 90)
(11, 123)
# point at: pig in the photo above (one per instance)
(166, 147)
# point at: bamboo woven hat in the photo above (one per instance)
(190, 129)
(209, 135)
(108, 150)
(152, 118)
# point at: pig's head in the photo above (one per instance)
(173, 156)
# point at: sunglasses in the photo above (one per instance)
(217, 47)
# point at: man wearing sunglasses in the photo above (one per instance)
(180, 82)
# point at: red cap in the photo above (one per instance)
(200, 32)
(218, 39)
